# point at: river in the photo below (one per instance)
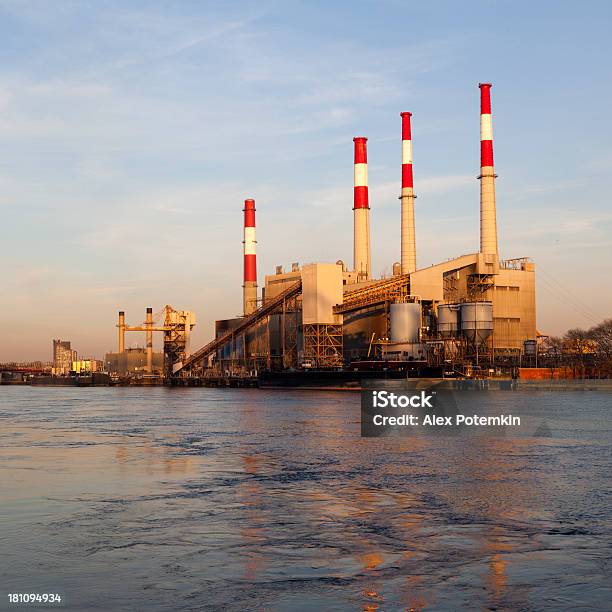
(195, 498)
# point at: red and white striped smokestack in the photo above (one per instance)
(488, 220)
(361, 211)
(408, 239)
(249, 288)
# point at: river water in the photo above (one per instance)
(191, 499)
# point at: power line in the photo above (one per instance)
(552, 290)
(552, 280)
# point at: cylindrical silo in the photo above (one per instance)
(405, 322)
(477, 321)
(448, 320)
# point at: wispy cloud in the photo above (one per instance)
(133, 131)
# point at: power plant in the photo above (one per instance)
(471, 314)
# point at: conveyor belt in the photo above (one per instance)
(375, 293)
(243, 326)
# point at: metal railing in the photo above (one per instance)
(514, 264)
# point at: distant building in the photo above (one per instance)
(63, 356)
(87, 365)
(132, 361)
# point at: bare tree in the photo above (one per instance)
(601, 336)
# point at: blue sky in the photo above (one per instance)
(132, 132)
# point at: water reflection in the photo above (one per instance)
(153, 459)
(249, 494)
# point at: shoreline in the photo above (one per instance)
(446, 383)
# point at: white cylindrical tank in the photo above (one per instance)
(448, 320)
(477, 321)
(405, 322)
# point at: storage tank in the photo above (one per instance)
(405, 322)
(477, 321)
(448, 320)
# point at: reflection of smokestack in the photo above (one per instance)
(361, 211)
(121, 327)
(149, 327)
(249, 289)
(408, 233)
(488, 221)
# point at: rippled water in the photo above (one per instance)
(190, 499)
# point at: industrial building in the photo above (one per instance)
(66, 361)
(87, 366)
(474, 311)
(134, 361)
(176, 326)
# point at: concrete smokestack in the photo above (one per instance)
(149, 332)
(407, 197)
(249, 288)
(488, 220)
(121, 327)
(361, 211)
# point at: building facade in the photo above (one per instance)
(63, 356)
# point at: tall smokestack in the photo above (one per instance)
(361, 211)
(249, 288)
(488, 221)
(121, 327)
(149, 332)
(407, 197)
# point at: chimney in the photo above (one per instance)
(249, 288)
(149, 332)
(361, 211)
(121, 327)
(488, 221)
(408, 239)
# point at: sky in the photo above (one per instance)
(131, 133)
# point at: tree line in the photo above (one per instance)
(588, 349)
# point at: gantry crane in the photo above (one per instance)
(177, 326)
